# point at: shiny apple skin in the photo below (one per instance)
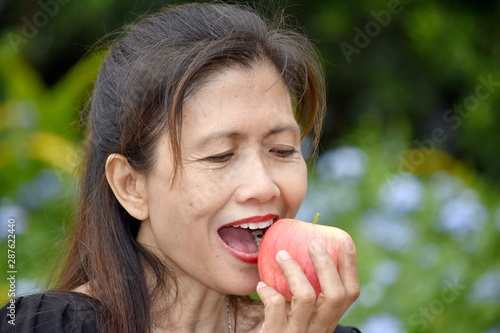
(295, 236)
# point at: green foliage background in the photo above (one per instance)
(409, 163)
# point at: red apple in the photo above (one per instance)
(295, 236)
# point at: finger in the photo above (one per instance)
(303, 294)
(348, 270)
(332, 297)
(274, 309)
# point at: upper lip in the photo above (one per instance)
(253, 219)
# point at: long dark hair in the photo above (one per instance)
(137, 97)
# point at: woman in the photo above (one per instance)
(194, 138)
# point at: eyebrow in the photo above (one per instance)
(291, 128)
(233, 134)
(217, 136)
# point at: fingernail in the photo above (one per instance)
(349, 245)
(261, 285)
(316, 247)
(283, 255)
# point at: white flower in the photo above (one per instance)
(17, 216)
(344, 163)
(462, 214)
(45, 187)
(383, 323)
(487, 288)
(390, 232)
(402, 194)
(386, 272)
(371, 294)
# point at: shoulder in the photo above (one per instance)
(346, 329)
(53, 311)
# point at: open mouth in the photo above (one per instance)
(245, 237)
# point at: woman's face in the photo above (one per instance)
(241, 168)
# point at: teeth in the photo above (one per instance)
(254, 226)
(263, 225)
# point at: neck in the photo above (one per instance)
(197, 309)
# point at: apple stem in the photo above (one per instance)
(316, 218)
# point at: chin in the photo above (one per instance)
(245, 291)
(245, 286)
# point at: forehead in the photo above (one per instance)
(232, 92)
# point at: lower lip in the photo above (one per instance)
(249, 258)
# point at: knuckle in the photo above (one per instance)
(305, 296)
(337, 298)
(353, 293)
(275, 300)
(334, 299)
(340, 296)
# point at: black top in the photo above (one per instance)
(54, 312)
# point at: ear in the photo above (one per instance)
(128, 186)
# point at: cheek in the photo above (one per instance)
(294, 186)
(203, 190)
(302, 185)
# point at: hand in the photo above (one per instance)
(340, 288)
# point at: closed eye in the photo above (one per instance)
(284, 152)
(219, 158)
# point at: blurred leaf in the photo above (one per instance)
(21, 82)
(62, 104)
(54, 150)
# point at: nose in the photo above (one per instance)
(256, 183)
